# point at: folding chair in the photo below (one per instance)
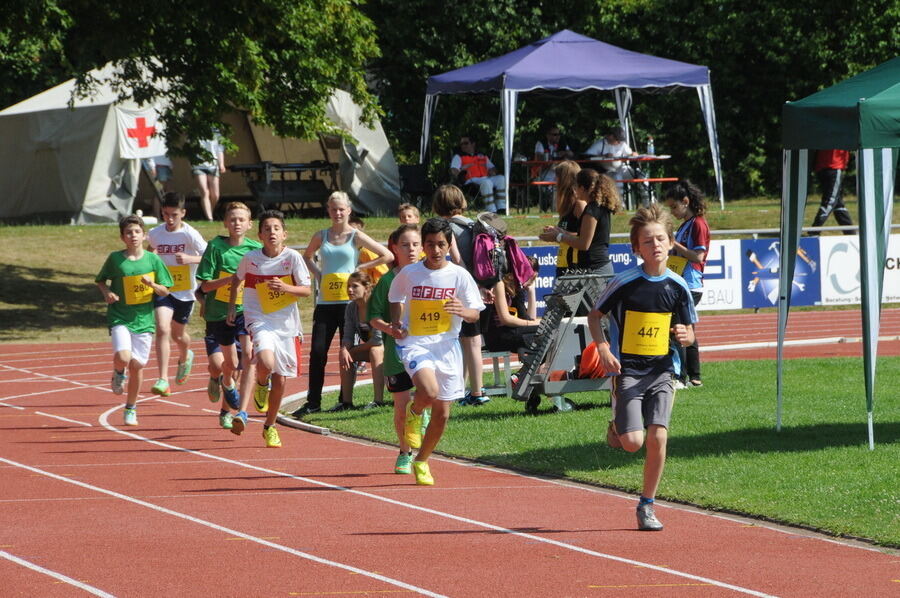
(415, 184)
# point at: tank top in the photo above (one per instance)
(597, 254)
(337, 263)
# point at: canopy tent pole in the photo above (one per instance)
(876, 195)
(431, 101)
(709, 117)
(510, 99)
(623, 109)
(793, 202)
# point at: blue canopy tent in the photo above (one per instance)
(569, 61)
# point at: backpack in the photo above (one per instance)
(465, 238)
(494, 253)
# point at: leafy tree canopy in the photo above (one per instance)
(759, 55)
(278, 59)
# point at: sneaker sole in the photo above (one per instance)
(237, 426)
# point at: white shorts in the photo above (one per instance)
(444, 359)
(285, 348)
(137, 344)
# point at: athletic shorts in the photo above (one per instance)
(444, 359)
(640, 402)
(138, 344)
(220, 334)
(469, 329)
(208, 171)
(181, 310)
(399, 383)
(285, 348)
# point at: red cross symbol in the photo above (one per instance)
(141, 132)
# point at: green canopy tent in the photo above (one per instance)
(861, 114)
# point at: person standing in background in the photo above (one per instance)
(206, 175)
(829, 168)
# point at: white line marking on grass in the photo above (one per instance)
(222, 528)
(104, 421)
(65, 419)
(55, 575)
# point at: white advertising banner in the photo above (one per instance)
(839, 258)
(722, 276)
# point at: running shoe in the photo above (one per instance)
(695, 383)
(118, 382)
(423, 473)
(184, 368)
(131, 416)
(341, 407)
(412, 427)
(678, 384)
(646, 518)
(374, 405)
(213, 389)
(226, 420)
(239, 422)
(161, 387)
(271, 436)
(306, 409)
(470, 399)
(261, 398)
(403, 464)
(231, 397)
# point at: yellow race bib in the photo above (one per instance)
(427, 316)
(181, 276)
(270, 300)
(676, 264)
(136, 292)
(646, 333)
(334, 286)
(562, 256)
(223, 293)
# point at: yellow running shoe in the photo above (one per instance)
(261, 397)
(423, 473)
(271, 436)
(412, 427)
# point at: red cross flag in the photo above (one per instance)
(140, 133)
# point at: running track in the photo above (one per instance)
(178, 507)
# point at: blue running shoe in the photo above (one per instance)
(231, 397)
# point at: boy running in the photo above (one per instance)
(273, 278)
(219, 262)
(180, 247)
(128, 281)
(406, 245)
(429, 301)
(644, 305)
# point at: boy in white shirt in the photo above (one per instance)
(429, 300)
(274, 277)
(180, 247)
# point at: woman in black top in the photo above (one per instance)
(570, 208)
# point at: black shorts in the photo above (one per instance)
(220, 334)
(181, 310)
(399, 383)
(470, 329)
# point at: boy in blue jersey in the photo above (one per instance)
(645, 305)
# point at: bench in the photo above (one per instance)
(499, 387)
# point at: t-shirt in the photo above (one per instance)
(597, 254)
(694, 234)
(424, 291)
(380, 307)
(375, 274)
(603, 147)
(221, 259)
(134, 309)
(831, 159)
(642, 309)
(277, 310)
(214, 147)
(184, 240)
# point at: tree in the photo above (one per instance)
(278, 59)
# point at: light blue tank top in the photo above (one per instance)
(336, 259)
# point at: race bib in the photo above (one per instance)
(223, 293)
(271, 300)
(427, 316)
(646, 333)
(562, 257)
(334, 286)
(136, 292)
(181, 277)
(676, 264)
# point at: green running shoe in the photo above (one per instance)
(184, 368)
(214, 390)
(161, 387)
(131, 416)
(226, 420)
(403, 463)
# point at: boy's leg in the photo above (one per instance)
(275, 396)
(401, 400)
(247, 371)
(655, 460)
(471, 348)
(135, 377)
(185, 356)
(376, 358)
(440, 414)
(163, 336)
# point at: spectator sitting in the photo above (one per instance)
(552, 148)
(478, 168)
(512, 321)
(613, 145)
(360, 342)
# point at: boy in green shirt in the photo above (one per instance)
(128, 280)
(215, 273)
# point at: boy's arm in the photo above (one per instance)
(159, 289)
(684, 334)
(396, 328)
(232, 297)
(108, 296)
(609, 362)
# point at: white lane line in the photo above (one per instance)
(11, 406)
(55, 575)
(104, 421)
(227, 530)
(171, 402)
(65, 419)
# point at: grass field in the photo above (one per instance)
(723, 452)
(48, 270)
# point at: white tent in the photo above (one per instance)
(60, 160)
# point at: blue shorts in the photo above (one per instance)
(220, 334)
(207, 170)
(181, 310)
(163, 173)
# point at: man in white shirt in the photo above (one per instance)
(613, 146)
